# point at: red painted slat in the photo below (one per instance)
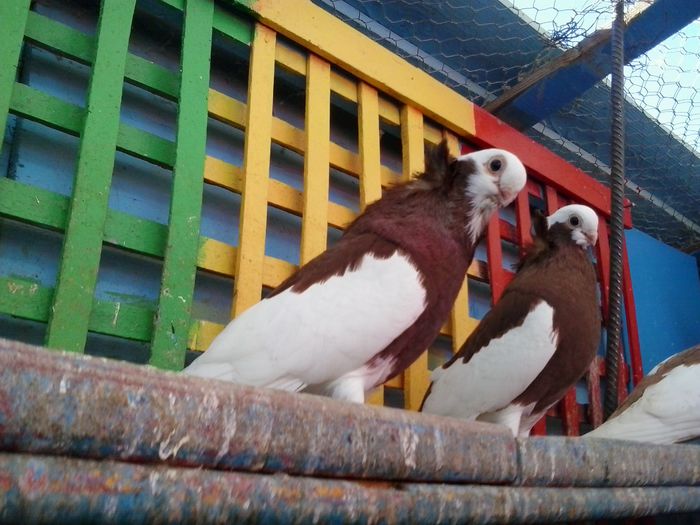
(522, 220)
(551, 199)
(540, 428)
(508, 232)
(595, 403)
(495, 258)
(571, 413)
(603, 265)
(542, 163)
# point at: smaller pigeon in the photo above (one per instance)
(664, 408)
(537, 341)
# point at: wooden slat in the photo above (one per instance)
(314, 224)
(412, 142)
(603, 266)
(494, 253)
(256, 166)
(522, 219)
(368, 117)
(43, 208)
(82, 246)
(335, 41)
(13, 19)
(370, 176)
(595, 403)
(171, 324)
(416, 377)
(460, 322)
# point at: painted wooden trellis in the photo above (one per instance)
(425, 111)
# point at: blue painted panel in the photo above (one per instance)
(667, 297)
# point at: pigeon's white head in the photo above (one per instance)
(581, 220)
(500, 177)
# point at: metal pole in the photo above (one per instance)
(617, 188)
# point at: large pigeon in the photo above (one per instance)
(538, 339)
(664, 407)
(366, 308)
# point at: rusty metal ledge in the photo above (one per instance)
(62, 404)
(38, 489)
(563, 462)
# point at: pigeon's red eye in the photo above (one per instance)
(495, 165)
(574, 220)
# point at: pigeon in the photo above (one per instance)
(366, 308)
(664, 407)
(537, 340)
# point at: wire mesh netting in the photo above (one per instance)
(483, 48)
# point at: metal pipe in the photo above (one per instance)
(44, 490)
(63, 404)
(58, 403)
(565, 462)
(617, 189)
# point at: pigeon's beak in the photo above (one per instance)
(591, 237)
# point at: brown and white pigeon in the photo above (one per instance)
(537, 341)
(664, 408)
(366, 308)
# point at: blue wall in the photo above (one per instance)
(667, 297)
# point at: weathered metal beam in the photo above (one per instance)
(39, 489)
(557, 83)
(56, 403)
(61, 404)
(563, 462)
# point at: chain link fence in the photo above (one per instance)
(482, 48)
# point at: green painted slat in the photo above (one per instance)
(122, 320)
(63, 116)
(33, 205)
(177, 4)
(146, 146)
(70, 43)
(172, 320)
(232, 26)
(24, 298)
(224, 21)
(45, 109)
(82, 246)
(13, 18)
(50, 210)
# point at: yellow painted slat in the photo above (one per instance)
(232, 112)
(433, 134)
(280, 195)
(220, 258)
(461, 324)
(412, 141)
(336, 41)
(295, 61)
(314, 223)
(370, 176)
(256, 166)
(202, 333)
(416, 377)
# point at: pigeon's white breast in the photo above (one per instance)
(295, 339)
(499, 372)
